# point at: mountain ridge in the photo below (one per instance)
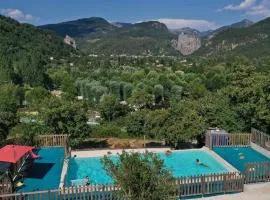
(98, 36)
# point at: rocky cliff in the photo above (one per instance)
(188, 43)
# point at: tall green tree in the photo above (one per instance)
(141, 176)
(183, 125)
(110, 108)
(8, 109)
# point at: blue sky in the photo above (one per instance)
(200, 14)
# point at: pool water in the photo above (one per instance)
(239, 156)
(181, 163)
(45, 173)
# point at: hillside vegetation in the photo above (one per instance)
(252, 41)
(25, 50)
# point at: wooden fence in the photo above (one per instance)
(53, 141)
(210, 184)
(260, 139)
(222, 140)
(186, 186)
(257, 172)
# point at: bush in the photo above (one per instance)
(141, 176)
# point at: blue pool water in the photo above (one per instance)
(181, 163)
(239, 156)
(45, 173)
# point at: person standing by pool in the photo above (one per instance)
(87, 180)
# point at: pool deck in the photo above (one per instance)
(260, 150)
(64, 172)
(100, 153)
(258, 191)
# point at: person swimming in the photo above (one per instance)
(87, 180)
(198, 162)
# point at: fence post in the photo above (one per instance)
(49, 194)
(210, 142)
(224, 183)
(203, 185)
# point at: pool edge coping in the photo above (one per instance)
(64, 172)
(100, 153)
(260, 149)
(227, 165)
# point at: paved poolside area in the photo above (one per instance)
(259, 191)
(98, 153)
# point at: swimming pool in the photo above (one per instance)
(239, 156)
(181, 163)
(45, 173)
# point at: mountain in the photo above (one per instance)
(81, 27)
(242, 24)
(187, 30)
(98, 36)
(250, 40)
(25, 50)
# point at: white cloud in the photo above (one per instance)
(261, 9)
(251, 7)
(199, 24)
(242, 6)
(18, 15)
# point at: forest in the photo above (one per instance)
(165, 98)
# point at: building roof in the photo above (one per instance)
(13, 153)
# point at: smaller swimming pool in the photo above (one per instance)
(240, 156)
(181, 163)
(44, 173)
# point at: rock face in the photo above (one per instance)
(188, 43)
(70, 41)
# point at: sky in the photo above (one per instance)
(199, 14)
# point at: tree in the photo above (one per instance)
(159, 93)
(66, 118)
(127, 90)
(114, 88)
(141, 176)
(176, 93)
(8, 109)
(135, 123)
(197, 88)
(217, 112)
(26, 132)
(110, 108)
(8, 119)
(36, 96)
(183, 125)
(141, 97)
(154, 121)
(68, 87)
